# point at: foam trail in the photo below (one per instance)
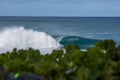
(20, 38)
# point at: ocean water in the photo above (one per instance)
(48, 33)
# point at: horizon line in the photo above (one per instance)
(60, 16)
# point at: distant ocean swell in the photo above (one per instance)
(21, 38)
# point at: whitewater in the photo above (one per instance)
(21, 38)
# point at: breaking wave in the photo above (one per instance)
(82, 42)
(21, 38)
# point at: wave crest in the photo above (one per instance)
(21, 38)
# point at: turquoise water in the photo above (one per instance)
(83, 43)
(83, 31)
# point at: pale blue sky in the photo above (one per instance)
(59, 7)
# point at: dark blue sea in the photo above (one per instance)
(47, 33)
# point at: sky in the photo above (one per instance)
(60, 8)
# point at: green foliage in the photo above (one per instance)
(71, 48)
(101, 62)
(106, 45)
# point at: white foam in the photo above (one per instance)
(20, 38)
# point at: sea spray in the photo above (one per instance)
(21, 38)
